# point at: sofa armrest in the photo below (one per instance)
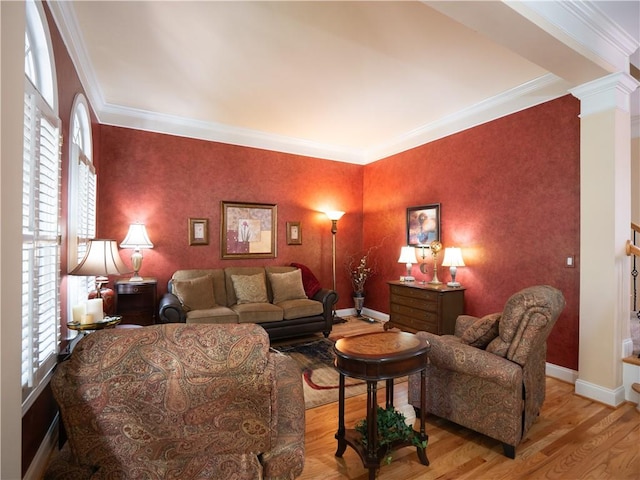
(170, 310)
(285, 459)
(449, 353)
(328, 298)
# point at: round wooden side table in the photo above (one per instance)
(84, 328)
(374, 357)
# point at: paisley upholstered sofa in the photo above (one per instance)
(490, 375)
(287, 301)
(181, 402)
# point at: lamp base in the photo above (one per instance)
(454, 284)
(136, 278)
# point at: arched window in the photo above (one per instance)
(81, 220)
(40, 208)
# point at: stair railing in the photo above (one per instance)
(633, 249)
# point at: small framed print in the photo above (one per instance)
(198, 231)
(294, 233)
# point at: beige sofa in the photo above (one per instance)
(273, 297)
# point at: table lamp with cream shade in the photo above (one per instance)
(102, 259)
(408, 257)
(137, 239)
(453, 260)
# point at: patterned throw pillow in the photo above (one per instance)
(287, 286)
(250, 288)
(481, 332)
(196, 293)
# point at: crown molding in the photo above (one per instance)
(584, 27)
(612, 91)
(538, 91)
(543, 89)
(65, 18)
(535, 92)
(118, 116)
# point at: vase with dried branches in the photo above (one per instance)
(360, 268)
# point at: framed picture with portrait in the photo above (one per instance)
(423, 225)
(248, 230)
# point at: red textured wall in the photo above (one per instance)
(509, 195)
(163, 180)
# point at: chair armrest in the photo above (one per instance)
(286, 457)
(449, 353)
(170, 310)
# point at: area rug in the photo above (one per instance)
(320, 378)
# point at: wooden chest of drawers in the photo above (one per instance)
(424, 307)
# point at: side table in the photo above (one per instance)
(374, 357)
(85, 328)
(136, 301)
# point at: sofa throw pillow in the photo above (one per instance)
(250, 288)
(287, 286)
(481, 332)
(309, 281)
(195, 293)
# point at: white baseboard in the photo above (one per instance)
(561, 373)
(379, 316)
(613, 398)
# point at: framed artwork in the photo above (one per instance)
(198, 231)
(423, 225)
(248, 230)
(294, 233)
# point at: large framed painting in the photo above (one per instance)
(423, 225)
(248, 230)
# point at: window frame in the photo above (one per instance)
(41, 213)
(82, 202)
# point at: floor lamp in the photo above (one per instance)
(334, 216)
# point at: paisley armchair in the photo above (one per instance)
(187, 401)
(490, 375)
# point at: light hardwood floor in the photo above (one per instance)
(574, 438)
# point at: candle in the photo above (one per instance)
(94, 307)
(78, 312)
(86, 319)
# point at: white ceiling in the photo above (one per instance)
(350, 81)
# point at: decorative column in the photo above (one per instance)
(605, 219)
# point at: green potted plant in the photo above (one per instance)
(392, 430)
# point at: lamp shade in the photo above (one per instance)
(102, 259)
(452, 257)
(136, 237)
(408, 255)
(334, 215)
